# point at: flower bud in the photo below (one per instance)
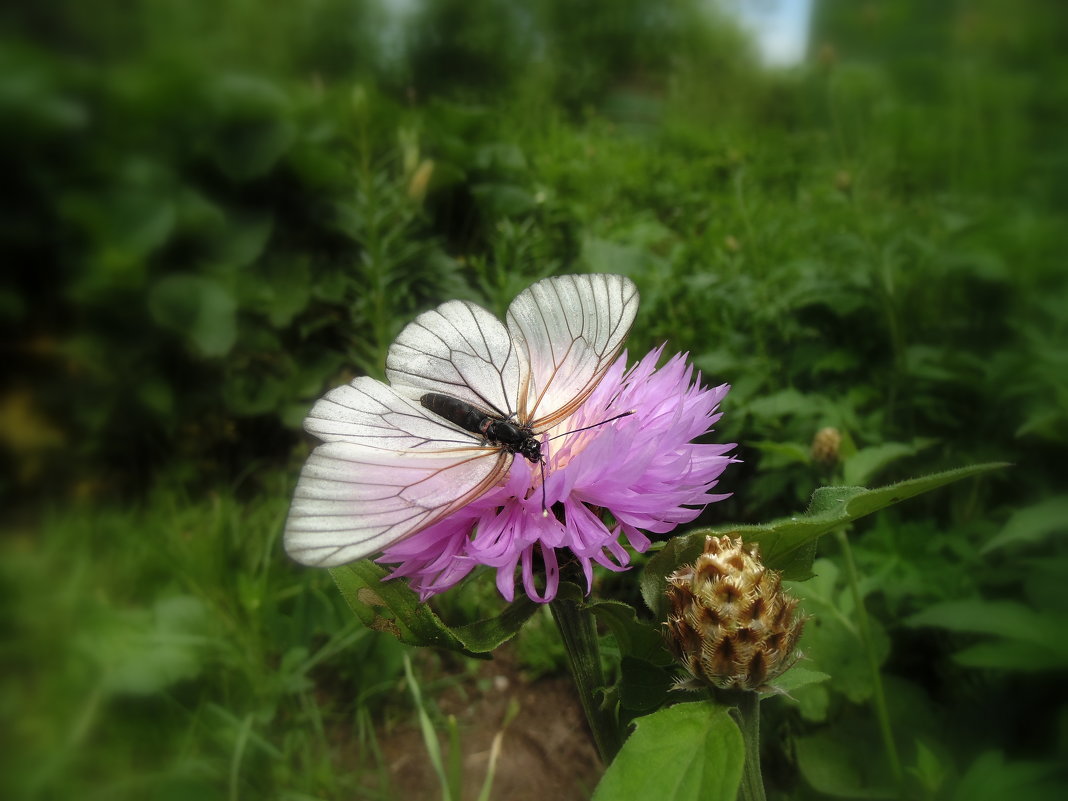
(731, 624)
(420, 180)
(825, 445)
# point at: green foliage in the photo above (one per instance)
(788, 545)
(687, 751)
(391, 606)
(214, 213)
(165, 649)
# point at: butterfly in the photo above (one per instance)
(466, 394)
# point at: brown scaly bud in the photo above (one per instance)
(825, 445)
(730, 623)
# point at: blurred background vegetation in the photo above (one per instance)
(216, 210)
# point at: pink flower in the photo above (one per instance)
(644, 469)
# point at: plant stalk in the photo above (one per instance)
(579, 634)
(879, 694)
(745, 709)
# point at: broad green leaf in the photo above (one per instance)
(484, 636)
(780, 454)
(797, 677)
(788, 544)
(1010, 655)
(140, 221)
(1028, 639)
(635, 638)
(686, 752)
(929, 770)
(502, 156)
(253, 126)
(813, 701)
(676, 551)
(643, 686)
(503, 200)
(197, 308)
(392, 606)
(1009, 619)
(280, 289)
(831, 641)
(844, 763)
(144, 651)
(241, 241)
(785, 403)
(1033, 524)
(608, 256)
(991, 778)
(867, 462)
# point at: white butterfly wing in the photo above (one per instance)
(370, 413)
(388, 469)
(570, 329)
(462, 350)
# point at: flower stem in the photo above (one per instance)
(879, 694)
(745, 708)
(579, 634)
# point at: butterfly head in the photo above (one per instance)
(530, 448)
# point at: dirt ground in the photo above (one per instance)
(546, 753)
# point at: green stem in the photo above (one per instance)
(579, 634)
(746, 712)
(879, 694)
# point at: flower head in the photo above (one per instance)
(731, 625)
(645, 470)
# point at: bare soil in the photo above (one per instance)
(547, 753)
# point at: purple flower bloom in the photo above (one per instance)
(644, 469)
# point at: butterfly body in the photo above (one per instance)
(497, 430)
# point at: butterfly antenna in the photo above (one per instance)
(593, 425)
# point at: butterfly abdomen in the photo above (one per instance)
(455, 411)
(498, 431)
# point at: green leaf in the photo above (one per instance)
(797, 677)
(500, 156)
(787, 402)
(242, 241)
(1029, 640)
(144, 651)
(198, 308)
(279, 289)
(813, 702)
(676, 551)
(484, 636)
(253, 126)
(503, 200)
(991, 778)
(929, 770)
(839, 763)
(1033, 524)
(643, 686)
(1008, 655)
(1009, 619)
(687, 752)
(780, 454)
(831, 641)
(635, 638)
(789, 544)
(392, 606)
(608, 256)
(867, 462)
